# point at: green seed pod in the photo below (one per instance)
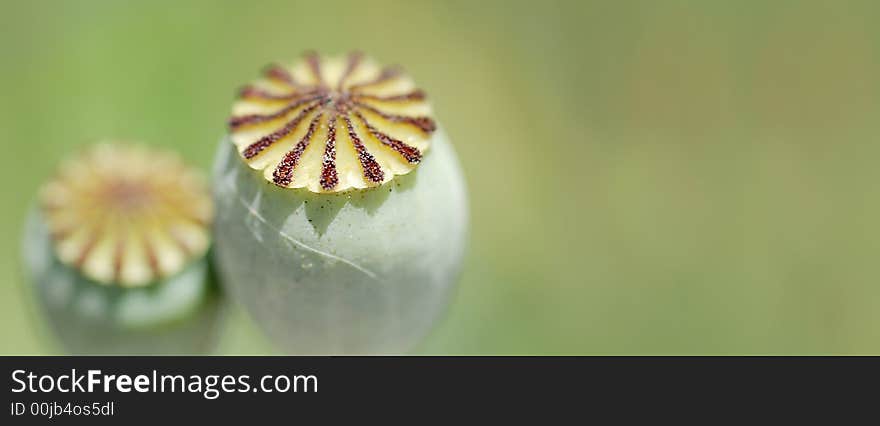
(117, 255)
(341, 208)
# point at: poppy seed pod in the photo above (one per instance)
(341, 207)
(116, 253)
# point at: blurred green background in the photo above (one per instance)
(657, 177)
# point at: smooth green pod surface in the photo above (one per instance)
(361, 271)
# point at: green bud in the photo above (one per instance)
(115, 266)
(342, 212)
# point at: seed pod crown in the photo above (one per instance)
(127, 215)
(332, 124)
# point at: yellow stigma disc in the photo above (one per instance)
(332, 124)
(127, 215)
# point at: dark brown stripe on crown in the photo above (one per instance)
(242, 120)
(284, 172)
(425, 124)
(87, 249)
(179, 241)
(278, 73)
(329, 177)
(62, 234)
(118, 255)
(354, 59)
(415, 95)
(251, 92)
(387, 73)
(257, 147)
(410, 153)
(371, 168)
(152, 259)
(314, 62)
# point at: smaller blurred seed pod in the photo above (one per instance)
(341, 207)
(116, 253)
